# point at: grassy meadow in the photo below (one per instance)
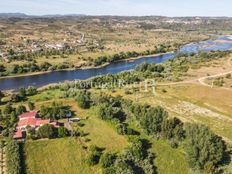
(56, 156)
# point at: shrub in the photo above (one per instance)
(46, 131)
(94, 155)
(107, 160)
(31, 105)
(63, 132)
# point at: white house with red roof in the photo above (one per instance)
(30, 119)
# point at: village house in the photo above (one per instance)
(30, 119)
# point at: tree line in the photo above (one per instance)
(205, 151)
(125, 55)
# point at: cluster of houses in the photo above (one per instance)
(31, 119)
(38, 45)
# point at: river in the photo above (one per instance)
(221, 43)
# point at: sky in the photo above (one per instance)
(120, 7)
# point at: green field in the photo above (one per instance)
(102, 134)
(169, 160)
(68, 155)
(56, 156)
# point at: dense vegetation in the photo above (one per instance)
(172, 70)
(8, 118)
(205, 150)
(13, 159)
(55, 111)
(117, 57)
(135, 159)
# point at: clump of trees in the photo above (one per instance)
(46, 131)
(55, 111)
(1, 96)
(31, 105)
(125, 55)
(152, 119)
(23, 93)
(13, 158)
(150, 67)
(63, 132)
(173, 129)
(32, 67)
(205, 150)
(109, 112)
(135, 159)
(94, 155)
(83, 99)
(219, 81)
(8, 118)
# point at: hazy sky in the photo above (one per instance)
(120, 7)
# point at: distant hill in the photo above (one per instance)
(13, 15)
(22, 15)
(59, 15)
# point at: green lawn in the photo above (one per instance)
(56, 156)
(102, 133)
(169, 160)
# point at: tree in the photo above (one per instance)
(94, 155)
(22, 92)
(55, 111)
(46, 131)
(7, 109)
(20, 109)
(204, 149)
(31, 91)
(16, 98)
(83, 99)
(63, 132)
(13, 158)
(1, 96)
(31, 105)
(152, 119)
(106, 112)
(172, 129)
(2, 68)
(122, 129)
(107, 159)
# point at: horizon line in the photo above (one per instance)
(71, 14)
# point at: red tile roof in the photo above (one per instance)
(27, 122)
(18, 134)
(28, 115)
(32, 122)
(41, 122)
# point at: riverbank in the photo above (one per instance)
(84, 68)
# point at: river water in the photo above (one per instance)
(221, 43)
